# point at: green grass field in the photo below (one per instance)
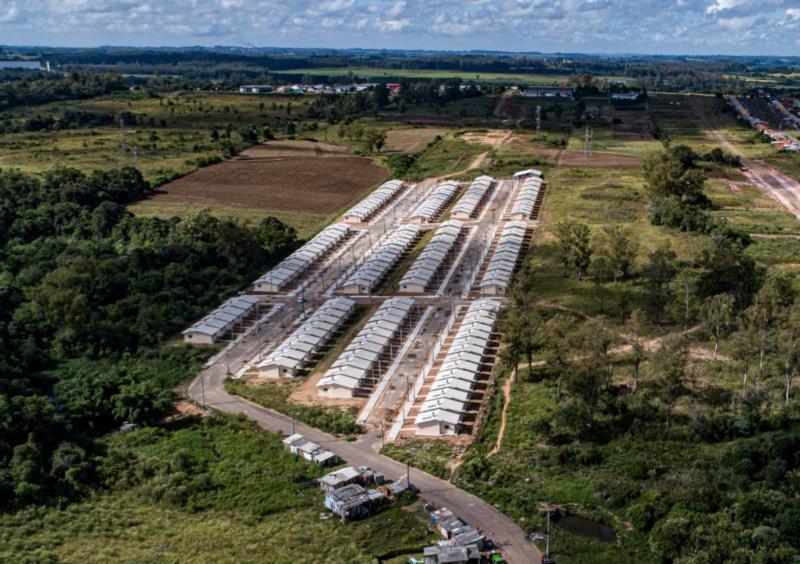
(170, 134)
(216, 491)
(388, 74)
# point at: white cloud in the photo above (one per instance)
(547, 25)
(393, 25)
(723, 5)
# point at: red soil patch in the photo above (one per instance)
(312, 178)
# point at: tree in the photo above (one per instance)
(592, 371)
(634, 332)
(788, 345)
(380, 95)
(658, 273)
(670, 363)
(141, 402)
(574, 246)
(563, 233)
(686, 281)
(667, 176)
(581, 252)
(619, 247)
(557, 343)
(717, 315)
(374, 139)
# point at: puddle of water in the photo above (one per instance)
(583, 527)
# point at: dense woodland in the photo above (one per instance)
(89, 293)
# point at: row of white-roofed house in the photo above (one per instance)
(372, 272)
(452, 393)
(433, 258)
(474, 197)
(371, 352)
(504, 261)
(432, 206)
(222, 321)
(525, 202)
(299, 348)
(303, 259)
(369, 206)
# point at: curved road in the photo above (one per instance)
(208, 387)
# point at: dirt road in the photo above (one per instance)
(780, 187)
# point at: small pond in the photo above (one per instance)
(583, 527)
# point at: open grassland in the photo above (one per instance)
(164, 136)
(390, 74)
(213, 491)
(275, 394)
(411, 140)
(449, 156)
(597, 197)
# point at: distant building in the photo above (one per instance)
(547, 92)
(625, 96)
(255, 89)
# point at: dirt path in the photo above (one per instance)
(780, 187)
(502, 106)
(479, 161)
(506, 400)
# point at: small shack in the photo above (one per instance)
(353, 501)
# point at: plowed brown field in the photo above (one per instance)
(305, 178)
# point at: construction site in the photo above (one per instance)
(397, 309)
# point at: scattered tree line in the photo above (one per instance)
(36, 88)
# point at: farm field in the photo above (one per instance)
(411, 140)
(375, 73)
(304, 183)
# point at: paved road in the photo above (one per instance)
(209, 387)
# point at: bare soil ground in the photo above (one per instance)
(411, 140)
(490, 137)
(288, 148)
(599, 160)
(279, 176)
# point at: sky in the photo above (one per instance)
(701, 27)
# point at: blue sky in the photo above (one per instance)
(741, 27)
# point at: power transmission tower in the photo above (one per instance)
(538, 123)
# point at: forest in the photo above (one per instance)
(89, 297)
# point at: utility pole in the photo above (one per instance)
(292, 422)
(203, 387)
(538, 122)
(122, 136)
